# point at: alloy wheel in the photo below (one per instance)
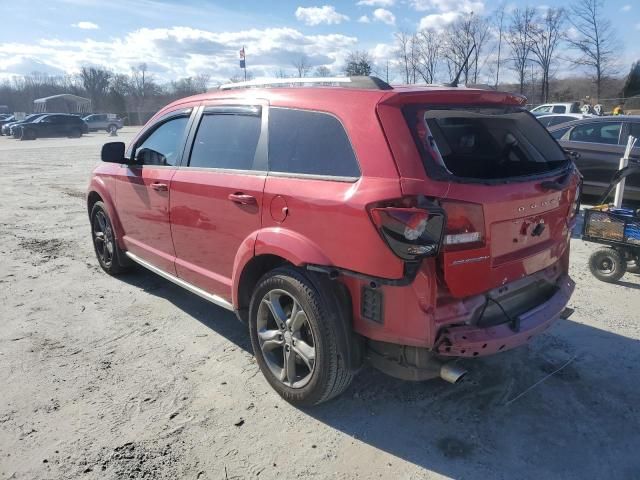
(103, 238)
(286, 338)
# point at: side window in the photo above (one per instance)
(543, 109)
(600, 132)
(558, 134)
(163, 146)
(226, 141)
(559, 109)
(309, 142)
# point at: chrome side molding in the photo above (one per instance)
(221, 302)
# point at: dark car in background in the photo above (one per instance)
(6, 119)
(8, 129)
(54, 125)
(103, 121)
(599, 143)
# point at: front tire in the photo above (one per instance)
(296, 338)
(607, 264)
(110, 257)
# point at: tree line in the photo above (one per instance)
(530, 42)
(136, 95)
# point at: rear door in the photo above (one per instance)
(598, 144)
(216, 196)
(142, 190)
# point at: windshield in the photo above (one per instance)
(483, 143)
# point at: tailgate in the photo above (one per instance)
(526, 230)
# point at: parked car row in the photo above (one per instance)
(40, 125)
(57, 125)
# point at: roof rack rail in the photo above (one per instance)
(363, 82)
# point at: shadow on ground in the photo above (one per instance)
(580, 422)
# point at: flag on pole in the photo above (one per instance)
(242, 63)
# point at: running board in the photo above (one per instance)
(221, 302)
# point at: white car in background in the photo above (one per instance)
(556, 108)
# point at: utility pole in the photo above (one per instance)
(243, 63)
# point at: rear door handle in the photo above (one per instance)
(159, 187)
(242, 198)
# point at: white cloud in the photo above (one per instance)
(377, 3)
(384, 16)
(626, 8)
(364, 19)
(459, 6)
(438, 21)
(177, 52)
(86, 25)
(317, 15)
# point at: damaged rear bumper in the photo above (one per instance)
(473, 341)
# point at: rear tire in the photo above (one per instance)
(111, 129)
(76, 133)
(111, 258)
(607, 264)
(296, 338)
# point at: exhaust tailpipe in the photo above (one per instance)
(451, 373)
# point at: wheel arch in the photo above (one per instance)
(98, 191)
(264, 250)
(273, 248)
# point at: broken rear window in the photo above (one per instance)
(483, 143)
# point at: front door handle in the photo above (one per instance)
(242, 198)
(159, 187)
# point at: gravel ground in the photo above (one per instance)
(105, 378)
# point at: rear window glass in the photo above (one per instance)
(306, 142)
(483, 143)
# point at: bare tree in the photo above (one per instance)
(500, 13)
(519, 40)
(546, 34)
(428, 52)
(280, 73)
(358, 63)
(466, 38)
(322, 71)
(302, 65)
(404, 50)
(596, 40)
(96, 83)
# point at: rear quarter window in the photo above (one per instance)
(311, 143)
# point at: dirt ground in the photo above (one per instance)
(105, 378)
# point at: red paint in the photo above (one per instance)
(210, 224)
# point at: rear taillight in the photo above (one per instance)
(411, 230)
(465, 225)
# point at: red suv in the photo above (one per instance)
(349, 221)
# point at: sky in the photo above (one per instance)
(185, 38)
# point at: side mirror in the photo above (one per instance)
(113, 152)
